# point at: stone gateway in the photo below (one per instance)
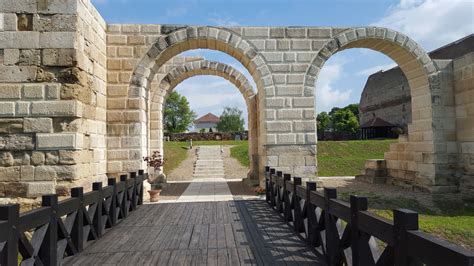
(81, 99)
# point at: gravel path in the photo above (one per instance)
(184, 172)
(233, 168)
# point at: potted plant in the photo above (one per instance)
(156, 162)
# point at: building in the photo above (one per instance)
(386, 94)
(206, 123)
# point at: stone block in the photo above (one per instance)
(37, 158)
(37, 189)
(15, 189)
(322, 33)
(303, 102)
(70, 157)
(16, 142)
(285, 114)
(2, 22)
(57, 108)
(19, 40)
(375, 164)
(38, 125)
(278, 126)
(287, 139)
(301, 45)
(22, 108)
(58, 141)
(10, 174)
(275, 102)
(11, 125)
(11, 56)
(15, 6)
(57, 40)
(10, 91)
(296, 32)
(261, 32)
(52, 91)
(27, 173)
(6, 159)
(45, 173)
(52, 158)
(59, 57)
(149, 28)
(18, 73)
(7, 109)
(116, 39)
(33, 91)
(304, 126)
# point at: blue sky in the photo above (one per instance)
(432, 23)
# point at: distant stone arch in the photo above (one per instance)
(196, 68)
(421, 73)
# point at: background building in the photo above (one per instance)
(206, 123)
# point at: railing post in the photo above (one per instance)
(141, 173)
(403, 221)
(279, 201)
(49, 248)
(311, 236)
(286, 200)
(298, 223)
(113, 204)
(77, 233)
(332, 236)
(272, 191)
(267, 180)
(133, 175)
(123, 178)
(97, 186)
(357, 204)
(11, 214)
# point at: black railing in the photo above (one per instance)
(345, 233)
(44, 236)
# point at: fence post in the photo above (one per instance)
(357, 204)
(311, 236)
(332, 236)
(272, 191)
(113, 204)
(11, 214)
(123, 178)
(49, 248)
(141, 173)
(279, 201)
(403, 221)
(286, 200)
(267, 180)
(298, 223)
(133, 175)
(77, 229)
(97, 186)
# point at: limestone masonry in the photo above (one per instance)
(81, 99)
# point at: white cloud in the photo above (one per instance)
(327, 96)
(223, 20)
(432, 23)
(372, 70)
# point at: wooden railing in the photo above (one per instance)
(44, 236)
(346, 233)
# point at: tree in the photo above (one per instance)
(177, 115)
(231, 120)
(323, 121)
(354, 108)
(345, 121)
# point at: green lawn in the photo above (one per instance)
(241, 153)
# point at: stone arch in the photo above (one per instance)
(197, 68)
(184, 39)
(416, 154)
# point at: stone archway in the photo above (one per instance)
(203, 67)
(416, 158)
(170, 45)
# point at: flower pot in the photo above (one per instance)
(154, 195)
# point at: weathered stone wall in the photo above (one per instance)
(463, 68)
(386, 95)
(51, 62)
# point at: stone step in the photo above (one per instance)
(210, 172)
(208, 176)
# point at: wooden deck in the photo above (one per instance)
(200, 233)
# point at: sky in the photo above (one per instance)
(431, 23)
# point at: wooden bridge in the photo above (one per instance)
(294, 226)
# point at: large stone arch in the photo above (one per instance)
(204, 67)
(417, 158)
(184, 39)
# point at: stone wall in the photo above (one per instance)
(463, 68)
(52, 96)
(386, 95)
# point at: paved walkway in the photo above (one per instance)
(209, 183)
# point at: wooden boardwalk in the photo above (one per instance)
(200, 233)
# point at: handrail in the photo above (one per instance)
(61, 229)
(317, 217)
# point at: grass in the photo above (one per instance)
(241, 153)
(347, 158)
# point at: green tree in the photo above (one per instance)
(345, 121)
(354, 108)
(231, 120)
(323, 121)
(177, 115)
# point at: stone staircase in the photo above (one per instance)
(209, 163)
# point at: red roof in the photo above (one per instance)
(209, 118)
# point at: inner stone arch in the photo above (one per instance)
(407, 161)
(197, 68)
